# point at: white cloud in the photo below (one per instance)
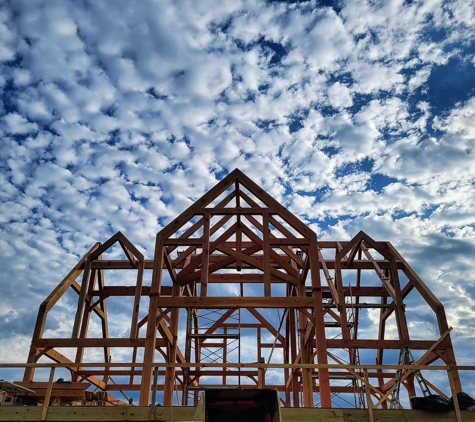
(16, 124)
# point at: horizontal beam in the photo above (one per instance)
(276, 302)
(69, 364)
(330, 263)
(235, 302)
(129, 291)
(94, 342)
(379, 344)
(276, 242)
(237, 211)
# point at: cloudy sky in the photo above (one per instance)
(117, 115)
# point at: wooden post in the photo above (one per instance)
(453, 389)
(81, 299)
(368, 396)
(154, 393)
(261, 375)
(49, 388)
(205, 255)
(149, 352)
(170, 371)
(37, 334)
(319, 324)
(267, 267)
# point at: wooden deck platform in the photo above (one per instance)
(165, 413)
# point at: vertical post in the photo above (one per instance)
(37, 334)
(104, 321)
(170, 371)
(293, 357)
(286, 352)
(381, 336)
(448, 356)
(86, 317)
(453, 389)
(239, 227)
(341, 300)
(134, 329)
(399, 308)
(150, 339)
(49, 388)
(321, 343)
(154, 393)
(205, 255)
(307, 381)
(368, 396)
(267, 267)
(261, 374)
(81, 299)
(138, 294)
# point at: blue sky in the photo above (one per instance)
(116, 115)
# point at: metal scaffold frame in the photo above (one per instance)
(239, 251)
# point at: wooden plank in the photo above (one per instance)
(38, 385)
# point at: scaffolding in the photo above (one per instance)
(238, 280)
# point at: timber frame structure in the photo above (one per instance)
(238, 280)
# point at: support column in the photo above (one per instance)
(323, 375)
(149, 352)
(170, 372)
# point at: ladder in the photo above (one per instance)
(406, 355)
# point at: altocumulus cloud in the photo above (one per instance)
(117, 115)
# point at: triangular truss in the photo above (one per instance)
(237, 272)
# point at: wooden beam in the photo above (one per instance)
(177, 263)
(150, 343)
(94, 342)
(234, 302)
